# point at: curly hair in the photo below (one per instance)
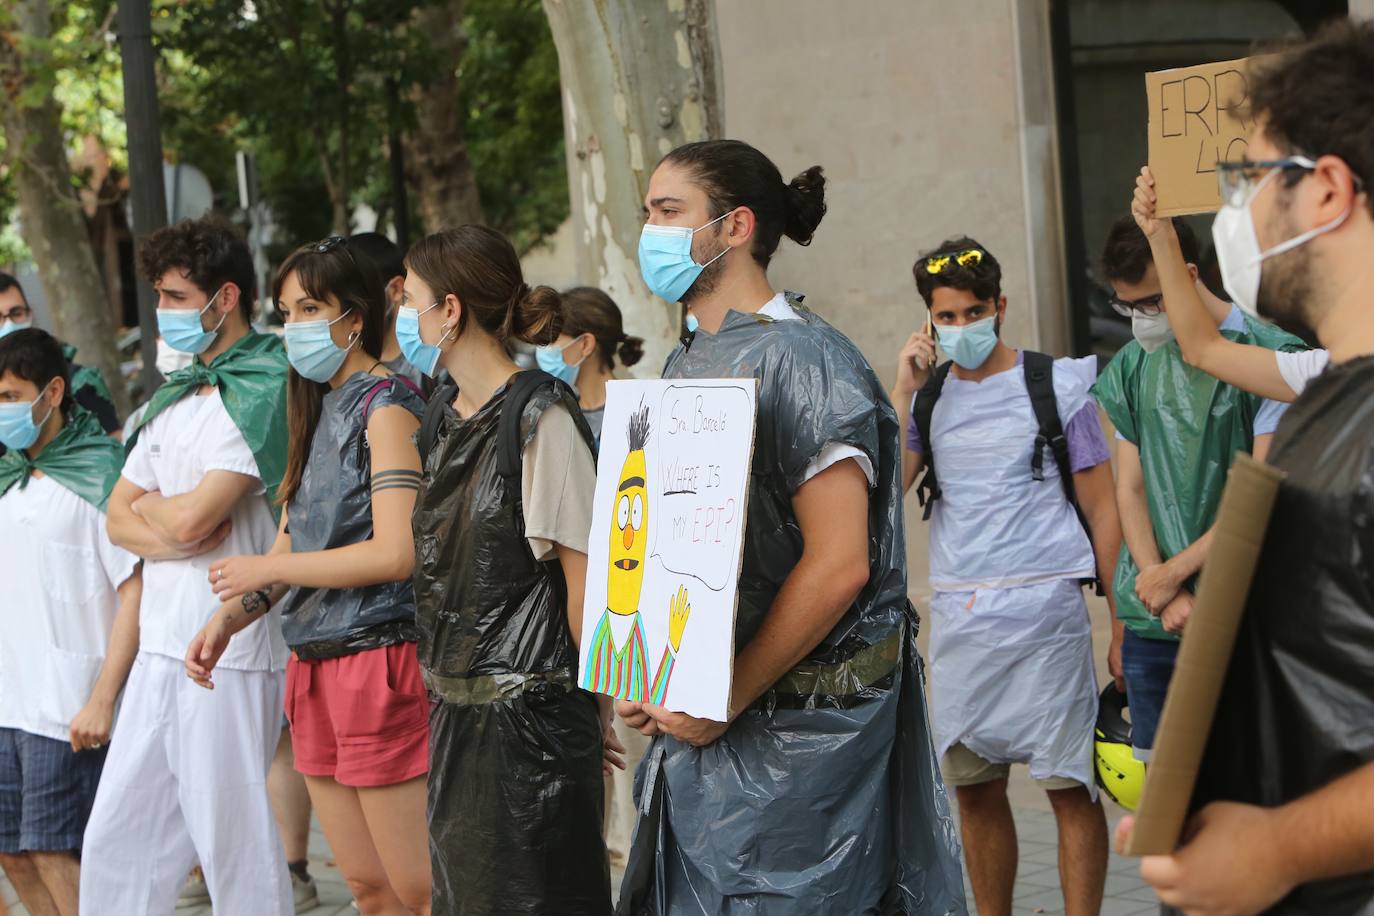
(209, 250)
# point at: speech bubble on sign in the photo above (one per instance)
(704, 436)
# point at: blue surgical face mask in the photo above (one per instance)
(419, 354)
(182, 330)
(970, 345)
(8, 327)
(17, 427)
(665, 259)
(551, 360)
(311, 349)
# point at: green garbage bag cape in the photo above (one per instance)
(81, 458)
(88, 388)
(251, 378)
(1188, 427)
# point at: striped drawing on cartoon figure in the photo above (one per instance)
(668, 531)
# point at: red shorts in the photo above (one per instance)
(362, 719)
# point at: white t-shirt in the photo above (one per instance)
(778, 309)
(173, 453)
(60, 575)
(1298, 369)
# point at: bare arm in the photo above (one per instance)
(191, 517)
(1094, 487)
(132, 532)
(92, 725)
(387, 556)
(1132, 507)
(1244, 858)
(574, 563)
(1248, 367)
(832, 510)
(913, 369)
(1097, 498)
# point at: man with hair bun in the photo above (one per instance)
(821, 794)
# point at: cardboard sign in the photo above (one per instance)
(1191, 703)
(1198, 117)
(667, 539)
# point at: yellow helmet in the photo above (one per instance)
(1119, 774)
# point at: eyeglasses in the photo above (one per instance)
(938, 264)
(1238, 181)
(18, 313)
(1145, 305)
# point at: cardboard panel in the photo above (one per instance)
(1197, 118)
(1208, 640)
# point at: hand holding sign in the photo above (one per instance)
(1198, 117)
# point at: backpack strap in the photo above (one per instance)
(1039, 370)
(433, 417)
(383, 384)
(510, 444)
(922, 413)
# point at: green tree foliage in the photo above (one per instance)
(301, 84)
(509, 80)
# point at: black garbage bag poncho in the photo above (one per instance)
(1297, 707)
(823, 797)
(332, 508)
(515, 785)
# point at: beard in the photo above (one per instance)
(1287, 290)
(709, 278)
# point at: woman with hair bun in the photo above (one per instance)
(822, 792)
(501, 523)
(584, 355)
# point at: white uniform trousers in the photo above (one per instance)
(186, 781)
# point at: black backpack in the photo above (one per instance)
(1039, 370)
(522, 388)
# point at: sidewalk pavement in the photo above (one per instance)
(1037, 878)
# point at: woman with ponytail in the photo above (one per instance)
(341, 566)
(584, 355)
(822, 791)
(516, 760)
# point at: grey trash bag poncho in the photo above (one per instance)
(515, 784)
(824, 796)
(332, 508)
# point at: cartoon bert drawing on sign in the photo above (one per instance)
(617, 663)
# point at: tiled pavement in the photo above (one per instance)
(1037, 880)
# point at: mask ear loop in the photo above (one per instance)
(208, 305)
(453, 330)
(51, 408)
(727, 246)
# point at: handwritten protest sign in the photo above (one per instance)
(1198, 117)
(667, 538)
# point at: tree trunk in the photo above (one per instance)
(446, 185)
(639, 79)
(53, 225)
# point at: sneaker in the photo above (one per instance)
(195, 893)
(307, 896)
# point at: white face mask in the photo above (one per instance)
(1151, 331)
(169, 360)
(1238, 249)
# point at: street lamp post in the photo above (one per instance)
(146, 190)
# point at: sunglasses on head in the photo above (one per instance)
(969, 257)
